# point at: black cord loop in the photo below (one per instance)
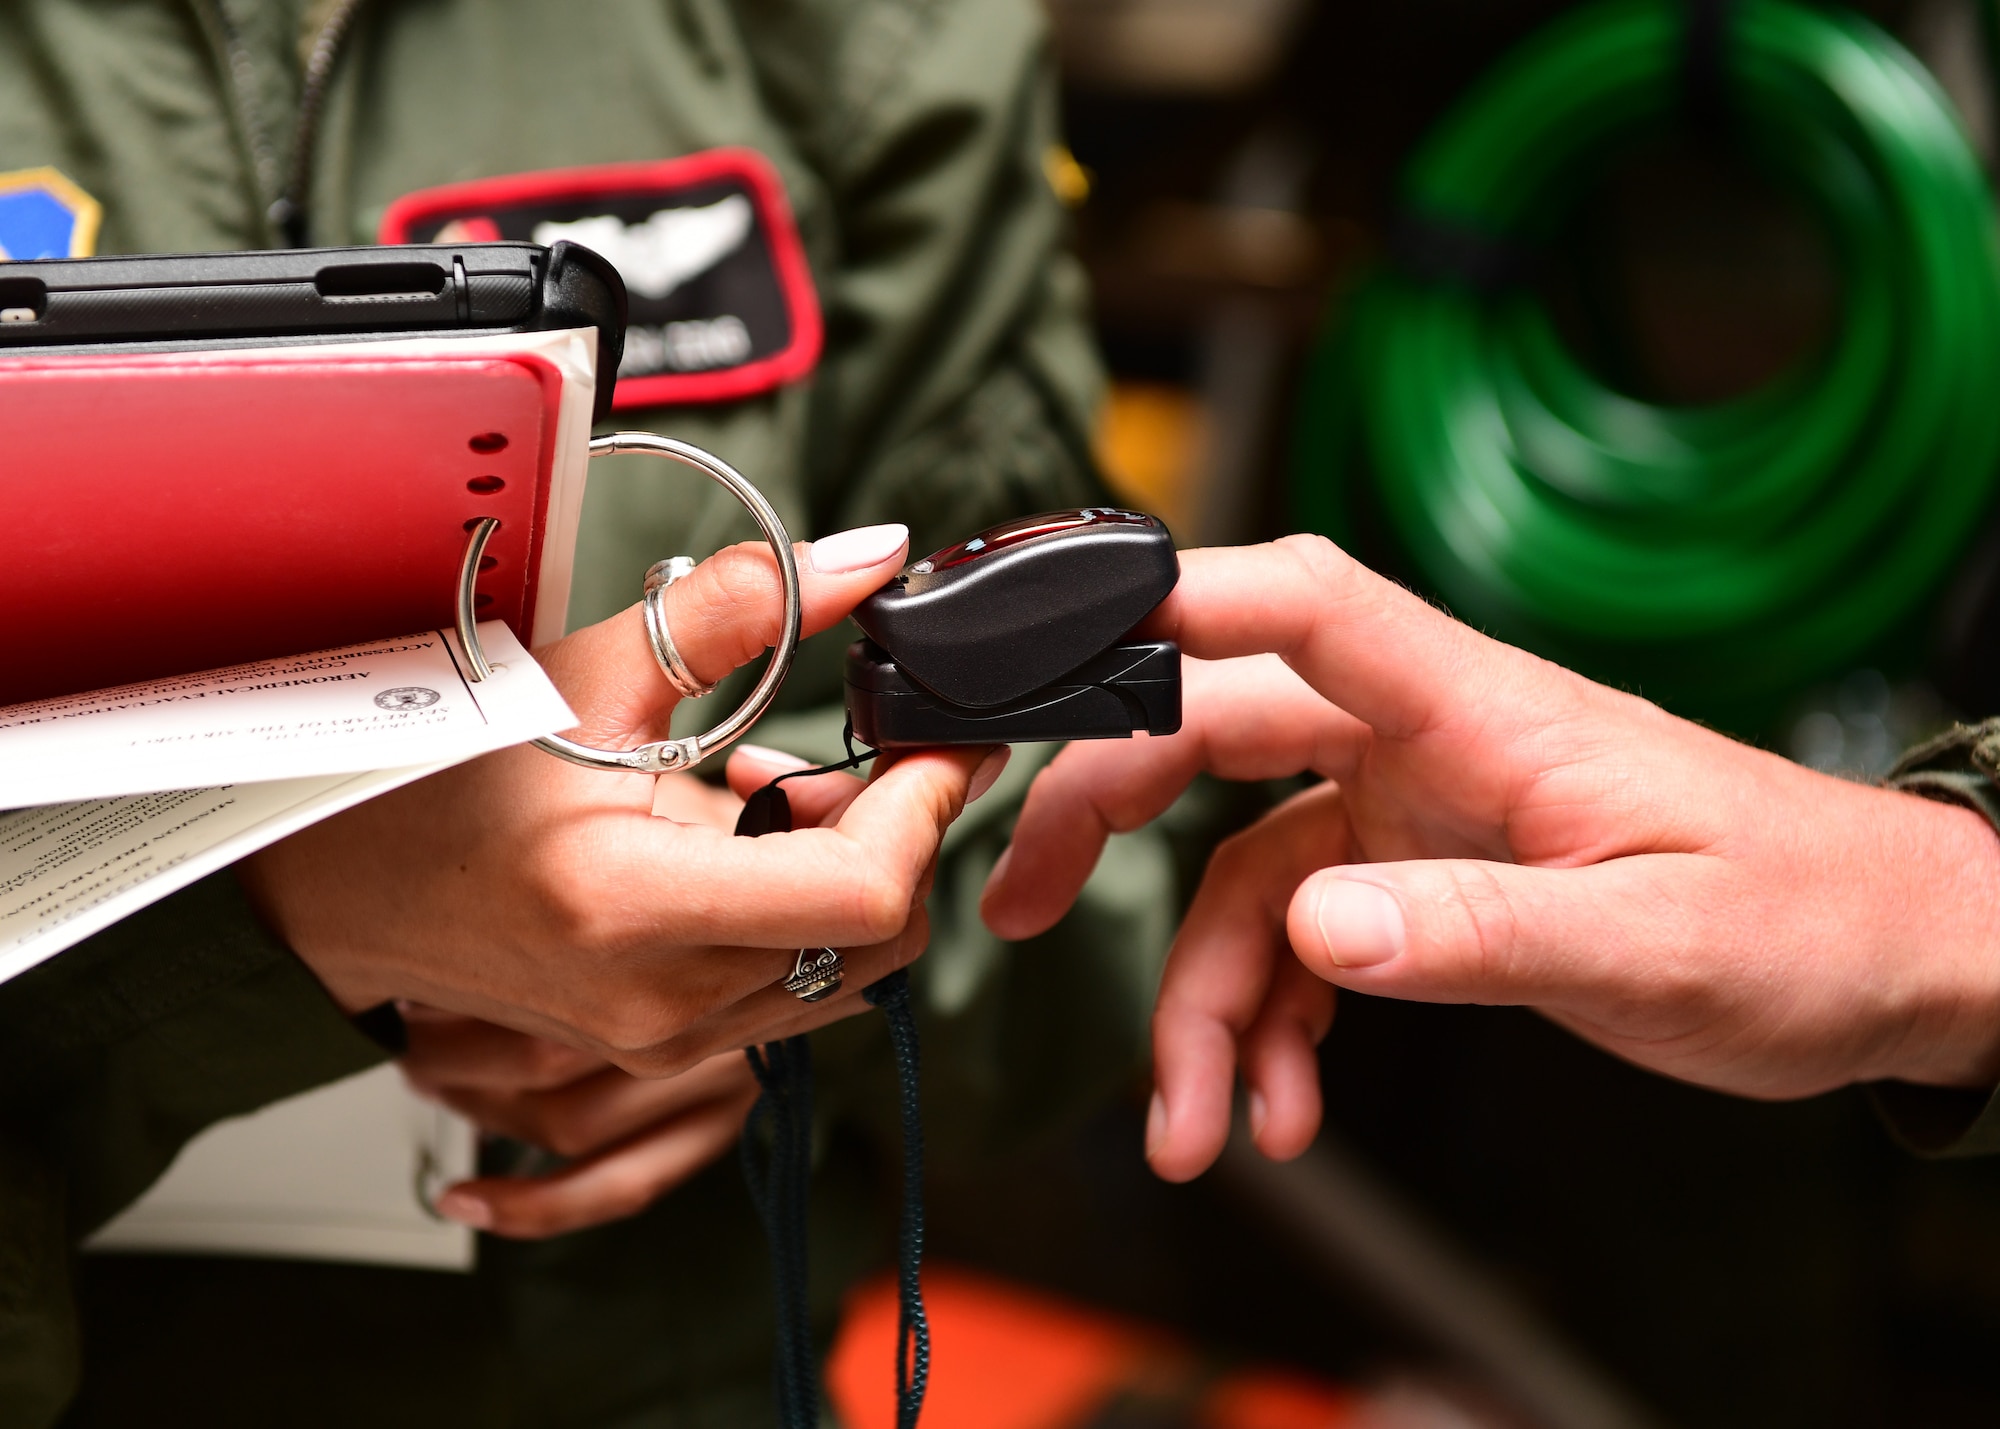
(777, 1164)
(913, 1326)
(778, 1176)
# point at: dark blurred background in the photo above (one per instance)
(1694, 1260)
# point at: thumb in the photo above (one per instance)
(722, 614)
(1586, 941)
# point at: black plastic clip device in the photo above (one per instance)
(1018, 636)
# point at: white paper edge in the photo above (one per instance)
(301, 1231)
(568, 476)
(299, 1240)
(344, 794)
(117, 780)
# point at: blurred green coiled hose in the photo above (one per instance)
(1712, 555)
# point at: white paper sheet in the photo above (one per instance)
(336, 1173)
(70, 870)
(383, 705)
(365, 721)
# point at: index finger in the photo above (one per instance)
(1245, 719)
(849, 885)
(1362, 641)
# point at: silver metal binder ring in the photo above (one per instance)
(667, 755)
(468, 623)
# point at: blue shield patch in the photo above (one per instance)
(44, 215)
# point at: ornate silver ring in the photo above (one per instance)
(816, 974)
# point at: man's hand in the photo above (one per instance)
(1495, 829)
(527, 892)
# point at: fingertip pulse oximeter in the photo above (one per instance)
(1020, 635)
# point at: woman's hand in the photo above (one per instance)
(524, 891)
(1496, 829)
(625, 1140)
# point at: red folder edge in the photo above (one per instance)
(171, 512)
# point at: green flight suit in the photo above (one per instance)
(955, 389)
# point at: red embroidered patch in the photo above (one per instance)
(722, 303)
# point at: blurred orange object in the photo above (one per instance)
(1004, 1357)
(1152, 440)
(1275, 1399)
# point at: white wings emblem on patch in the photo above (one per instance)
(669, 248)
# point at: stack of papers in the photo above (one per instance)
(122, 796)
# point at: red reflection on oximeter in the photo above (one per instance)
(1013, 533)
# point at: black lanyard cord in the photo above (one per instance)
(777, 1164)
(778, 1175)
(913, 1326)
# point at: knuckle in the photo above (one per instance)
(744, 569)
(744, 575)
(882, 903)
(565, 1136)
(728, 610)
(1321, 558)
(563, 887)
(631, 1029)
(546, 1063)
(1489, 925)
(667, 1054)
(530, 1220)
(627, 1191)
(910, 946)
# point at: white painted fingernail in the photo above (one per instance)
(466, 1209)
(857, 550)
(1362, 924)
(1259, 1111)
(775, 757)
(1156, 1124)
(987, 774)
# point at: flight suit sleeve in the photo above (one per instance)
(113, 1055)
(1961, 766)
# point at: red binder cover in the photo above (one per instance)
(167, 513)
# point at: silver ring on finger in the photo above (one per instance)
(662, 575)
(661, 756)
(816, 974)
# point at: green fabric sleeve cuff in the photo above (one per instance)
(1960, 766)
(113, 1055)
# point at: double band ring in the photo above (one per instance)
(816, 974)
(658, 578)
(666, 755)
